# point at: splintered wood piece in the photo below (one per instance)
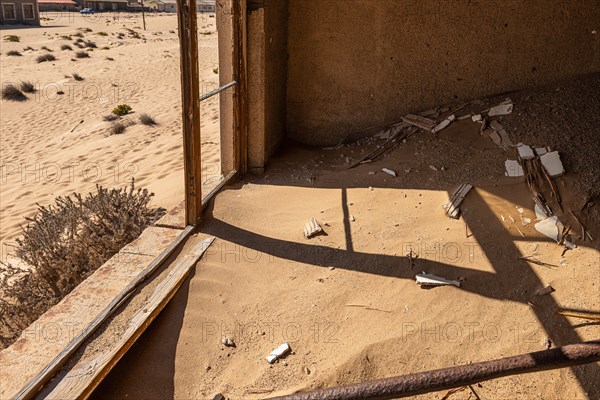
(312, 228)
(418, 121)
(505, 141)
(452, 207)
(425, 279)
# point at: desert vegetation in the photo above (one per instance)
(64, 243)
(147, 119)
(13, 53)
(45, 57)
(77, 77)
(12, 38)
(122, 109)
(12, 92)
(82, 54)
(66, 47)
(27, 87)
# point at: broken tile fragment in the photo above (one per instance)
(513, 168)
(552, 163)
(425, 279)
(525, 152)
(503, 108)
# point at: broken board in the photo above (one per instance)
(452, 207)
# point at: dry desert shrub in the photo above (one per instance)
(65, 243)
(45, 57)
(27, 87)
(11, 92)
(13, 53)
(82, 54)
(147, 119)
(66, 47)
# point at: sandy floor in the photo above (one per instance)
(347, 302)
(43, 158)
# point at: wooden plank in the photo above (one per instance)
(34, 384)
(240, 104)
(85, 376)
(419, 121)
(452, 207)
(190, 92)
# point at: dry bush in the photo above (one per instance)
(13, 53)
(45, 57)
(82, 54)
(28, 48)
(66, 47)
(147, 119)
(46, 48)
(90, 44)
(27, 87)
(110, 117)
(77, 77)
(65, 243)
(117, 128)
(12, 38)
(12, 92)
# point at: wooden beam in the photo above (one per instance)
(190, 92)
(36, 383)
(240, 105)
(83, 378)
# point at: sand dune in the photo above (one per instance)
(47, 152)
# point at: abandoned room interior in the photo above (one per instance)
(408, 205)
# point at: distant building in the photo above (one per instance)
(107, 5)
(205, 6)
(19, 12)
(57, 5)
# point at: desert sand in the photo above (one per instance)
(46, 153)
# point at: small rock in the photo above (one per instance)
(433, 168)
(352, 219)
(227, 342)
(320, 280)
(207, 367)
(306, 370)
(547, 343)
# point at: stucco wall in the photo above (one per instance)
(359, 63)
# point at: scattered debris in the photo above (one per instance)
(79, 123)
(476, 118)
(425, 279)
(513, 168)
(412, 256)
(534, 260)
(419, 122)
(368, 307)
(389, 172)
(228, 342)
(306, 370)
(504, 108)
(278, 353)
(352, 219)
(547, 343)
(544, 291)
(501, 138)
(452, 207)
(552, 164)
(433, 168)
(525, 152)
(444, 123)
(578, 315)
(312, 228)
(549, 228)
(540, 151)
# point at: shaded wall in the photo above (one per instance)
(359, 63)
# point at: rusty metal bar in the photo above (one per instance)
(453, 377)
(217, 90)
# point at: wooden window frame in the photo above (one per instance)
(14, 11)
(32, 11)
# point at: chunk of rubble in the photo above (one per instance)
(443, 124)
(504, 108)
(476, 118)
(278, 353)
(452, 207)
(544, 291)
(425, 279)
(540, 151)
(389, 171)
(525, 152)
(552, 163)
(505, 141)
(513, 169)
(548, 227)
(312, 228)
(420, 122)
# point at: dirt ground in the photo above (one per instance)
(347, 301)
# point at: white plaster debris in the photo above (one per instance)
(389, 171)
(312, 228)
(278, 352)
(503, 108)
(476, 118)
(513, 168)
(552, 163)
(433, 168)
(443, 124)
(540, 151)
(548, 227)
(525, 152)
(540, 214)
(426, 279)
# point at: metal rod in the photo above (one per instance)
(217, 90)
(453, 377)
